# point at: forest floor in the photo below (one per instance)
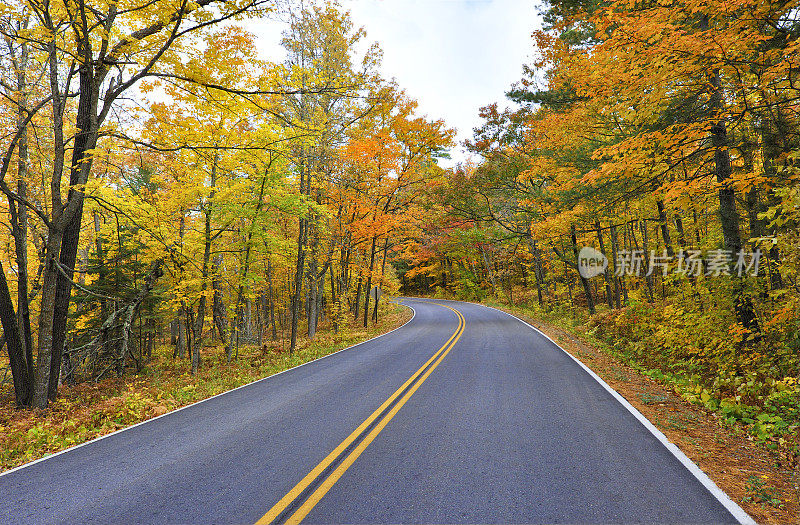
(91, 409)
(763, 482)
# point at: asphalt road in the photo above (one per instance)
(464, 414)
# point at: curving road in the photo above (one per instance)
(464, 414)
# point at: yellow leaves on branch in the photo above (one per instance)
(641, 95)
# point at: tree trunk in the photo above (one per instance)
(619, 284)
(151, 337)
(16, 353)
(568, 282)
(321, 304)
(20, 346)
(218, 308)
(183, 314)
(20, 229)
(771, 151)
(312, 303)
(197, 326)
(45, 335)
(357, 303)
(335, 302)
(489, 272)
(197, 333)
(248, 320)
(648, 276)
(585, 282)
(536, 275)
(368, 289)
(80, 166)
(662, 219)
(298, 282)
(173, 334)
(101, 275)
(607, 271)
(729, 218)
(271, 296)
(380, 285)
(19, 340)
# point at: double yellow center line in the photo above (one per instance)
(299, 501)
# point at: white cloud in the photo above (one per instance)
(452, 56)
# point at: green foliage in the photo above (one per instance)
(758, 491)
(704, 359)
(652, 399)
(116, 268)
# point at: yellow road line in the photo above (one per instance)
(285, 501)
(326, 485)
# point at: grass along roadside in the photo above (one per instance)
(762, 481)
(89, 410)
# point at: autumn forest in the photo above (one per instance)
(171, 200)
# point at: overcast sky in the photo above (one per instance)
(452, 56)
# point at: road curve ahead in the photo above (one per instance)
(465, 414)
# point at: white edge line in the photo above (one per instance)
(730, 505)
(75, 447)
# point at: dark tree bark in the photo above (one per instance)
(197, 325)
(380, 285)
(770, 152)
(173, 333)
(585, 282)
(312, 300)
(181, 334)
(619, 284)
(96, 98)
(606, 272)
(218, 308)
(20, 371)
(335, 304)
(357, 302)
(271, 298)
(182, 318)
(368, 288)
(648, 277)
(743, 304)
(19, 222)
(536, 273)
(85, 140)
(489, 272)
(664, 223)
(299, 267)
